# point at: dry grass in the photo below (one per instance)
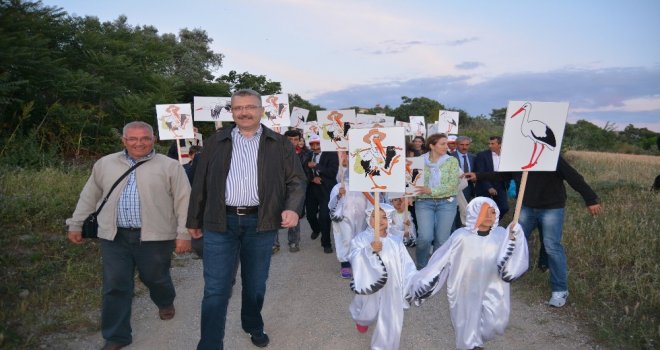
(614, 275)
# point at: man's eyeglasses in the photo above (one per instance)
(141, 139)
(249, 108)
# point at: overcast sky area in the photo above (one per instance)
(603, 57)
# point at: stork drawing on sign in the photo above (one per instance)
(537, 131)
(375, 158)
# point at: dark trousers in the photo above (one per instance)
(318, 214)
(119, 259)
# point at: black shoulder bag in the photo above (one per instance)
(90, 228)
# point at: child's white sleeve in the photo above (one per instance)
(369, 272)
(513, 257)
(428, 281)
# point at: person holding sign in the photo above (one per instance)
(381, 270)
(543, 207)
(478, 262)
(436, 205)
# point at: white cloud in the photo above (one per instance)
(639, 104)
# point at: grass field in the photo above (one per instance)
(51, 286)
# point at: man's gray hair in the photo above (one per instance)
(247, 92)
(463, 138)
(137, 125)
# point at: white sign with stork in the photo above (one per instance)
(448, 122)
(376, 161)
(532, 137)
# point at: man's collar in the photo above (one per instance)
(147, 157)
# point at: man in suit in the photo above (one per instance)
(466, 163)
(321, 169)
(489, 161)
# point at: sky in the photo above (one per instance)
(603, 57)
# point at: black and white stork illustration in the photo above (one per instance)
(537, 131)
(451, 123)
(174, 121)
(217, 109)
(274, 110)
(337, 129)
(376, 159)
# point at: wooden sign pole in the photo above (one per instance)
(376, 217)
(521, 194)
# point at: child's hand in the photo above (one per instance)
(377, 246)
(407, 222)
(342, 192)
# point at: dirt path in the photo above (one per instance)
(307, 308)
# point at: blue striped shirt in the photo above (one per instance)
(128, 207)
(242, 184)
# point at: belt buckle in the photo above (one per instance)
(241, 211)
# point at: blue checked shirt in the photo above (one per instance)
(128, 208)
(242, 185)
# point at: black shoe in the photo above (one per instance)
(327, 250)
(259, 339)
(315, 235)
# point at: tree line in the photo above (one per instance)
(69, 83)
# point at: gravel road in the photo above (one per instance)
(306, 307)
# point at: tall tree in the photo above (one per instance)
(245, 80)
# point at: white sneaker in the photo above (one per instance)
(558, 299)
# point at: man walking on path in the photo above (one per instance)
(142, 221)
(249, 184)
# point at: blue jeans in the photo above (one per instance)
(550, 223)
(434, 221)
(221, 250)
(120, 258)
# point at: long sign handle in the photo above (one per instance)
(376, 217)
(521, 194)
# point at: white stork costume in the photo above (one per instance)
(380, 281)
(347, 214)
(477, 269)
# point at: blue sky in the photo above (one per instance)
(601, 56)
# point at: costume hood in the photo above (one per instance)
(473, 209)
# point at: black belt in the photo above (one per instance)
(242, 210)
(132, 229)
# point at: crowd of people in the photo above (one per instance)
(249, 182)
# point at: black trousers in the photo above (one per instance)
(318, 214)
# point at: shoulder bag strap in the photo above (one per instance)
(117, 183)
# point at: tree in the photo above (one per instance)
(245, 80)
(421, 106)
(498, 116)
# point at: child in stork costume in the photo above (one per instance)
(477, 262)
(381, 272)
(402, 222)
(347, 213)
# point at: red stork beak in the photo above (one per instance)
(379, 146)
(518, 112)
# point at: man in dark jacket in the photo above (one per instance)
(543, 207)
(321, 170)
(249, 183)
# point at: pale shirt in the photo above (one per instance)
(242, 185)
(496, 161)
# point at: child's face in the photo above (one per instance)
(397, 203)
(486, 218)
(383, 222)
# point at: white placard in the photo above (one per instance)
(533, 132)
(418, 126)
(211, 109)
(414, 175)
(377, 160)
(174, 121)
(276, 111)
(334, 126)
(299, 117)
(448, 122)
